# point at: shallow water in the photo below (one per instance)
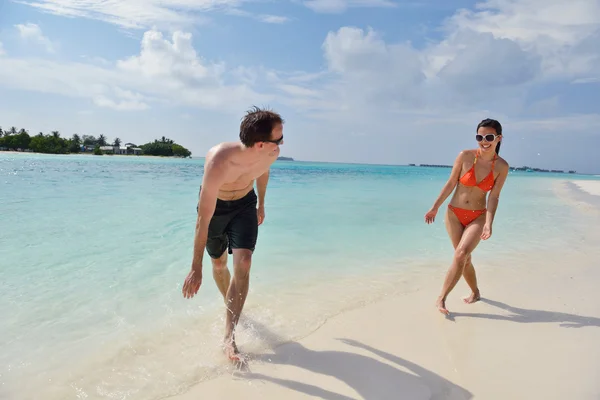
(95, 249)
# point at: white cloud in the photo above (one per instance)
(545, 107)
(563, 33)
(267, 18)
(571, 123)
(273, 19)
(586, 80)
(32, 32)
(490, 59)
(165, 71)
(96, 60)
(486, 64)
(2, 52)
(338, 6)
(123, 100)
(135, 14)
(389, 97)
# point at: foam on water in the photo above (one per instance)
(95, 249)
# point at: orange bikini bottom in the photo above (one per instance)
(466, 216)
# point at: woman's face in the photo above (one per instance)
(487, 138)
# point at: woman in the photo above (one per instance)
(468, 220)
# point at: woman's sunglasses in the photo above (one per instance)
(488, 138)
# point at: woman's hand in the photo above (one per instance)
(430, 216)
(487, 232)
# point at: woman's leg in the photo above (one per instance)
(471, 279)
(470, 237)
(455, 230)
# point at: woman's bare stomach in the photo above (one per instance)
(468, 199)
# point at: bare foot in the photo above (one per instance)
(474, 297)
(441, 306)
(231, 351)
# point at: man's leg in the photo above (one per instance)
(236, 296)
(243, 233)
(216, 247)
(221, 274)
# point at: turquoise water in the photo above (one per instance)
(95, 249)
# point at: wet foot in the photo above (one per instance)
(474, 297)
(233, 354)
(441, 306)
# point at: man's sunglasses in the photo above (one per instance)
(488, 138)
(277, 141)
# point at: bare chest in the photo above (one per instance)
(243, 177)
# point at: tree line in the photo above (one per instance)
(53, 143)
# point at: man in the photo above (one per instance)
(229, 212)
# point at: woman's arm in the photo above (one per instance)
(492, 203)
(494, 197)
(447, 189)
(451, 182)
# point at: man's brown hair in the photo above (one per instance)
(257, 125)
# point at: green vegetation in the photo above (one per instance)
(165, 147)
(53, 143)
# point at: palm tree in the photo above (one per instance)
(76, 139)
(117, 142)
(101, 140)
(56, 134)
(89, 140)
(13, 131)
(1, 132)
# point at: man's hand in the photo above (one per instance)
(430, 216)
(487, 232)
(192, 283)
(260, 213)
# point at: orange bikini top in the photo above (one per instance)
(469, 179)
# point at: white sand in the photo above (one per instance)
(535, 335)
(591, 187)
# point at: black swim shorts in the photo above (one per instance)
(234, 225)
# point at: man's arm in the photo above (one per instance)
(494, 197)
(214, 175)
(261, 185)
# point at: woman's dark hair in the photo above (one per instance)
(492, 123)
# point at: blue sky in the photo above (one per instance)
(376, 81)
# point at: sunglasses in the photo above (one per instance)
(277, 141)
(490, 137)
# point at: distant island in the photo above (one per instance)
(53, 143)
(525, 169)
(285, 159)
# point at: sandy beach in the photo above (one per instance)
(534, 335)
(591, 187)
(341, 302)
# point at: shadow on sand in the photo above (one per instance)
(369, 377)
(527, 316)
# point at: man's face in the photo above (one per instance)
(276, 140)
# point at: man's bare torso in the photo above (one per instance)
(240, 171)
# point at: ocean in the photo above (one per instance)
(94, 251)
